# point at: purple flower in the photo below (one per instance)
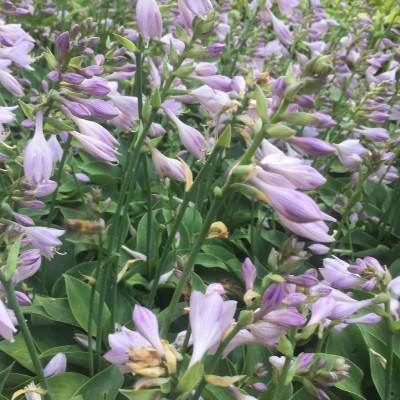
(98, 108)
(216, 287)
(77, 109)
(121, 344)
(38, 160)
(238, 394)
(281, 30)
(147, 325)
(270, 300)
(62, 45)
(56, 365)
(167, 166)
(350, 153)
(217, 82)
(206, 69)
(28, 264)
(149, 19)
(10, 83)
(7, 327)
(198, 7)
(249, 273)
(44, 239)
(374, 134)
(95, 86)
(6, 115)
(312, 146)
(191, 138)
(42, 189)
(335, 274)
(96, 147)
(288, 317)
(209, 318)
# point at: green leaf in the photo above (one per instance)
(191, 378)
(126, 43)
(26, 109)
(63, 386)
(12, 258)
(4, 375)
(150, 394)
(55, 123)
(18, 351)
(58, 309)
(104, 385)
(142, 236)
(79, 299)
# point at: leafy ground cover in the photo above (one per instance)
(199, 200)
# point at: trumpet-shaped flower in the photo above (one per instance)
(149, 19)
(191, 138)
(7, 327)
(56, 365)
(209, 318)
(44, 239)
(167, 166)
(38, 160)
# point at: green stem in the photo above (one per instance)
(282, 379)
(58, 179)
(218, 201)
(14, 305)
(390, 347)
(91, 306)
(149, 213)
(216, 358)
(175, 227)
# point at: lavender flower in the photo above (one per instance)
(7, 327)
(56, 365)
(149, 19)
(44, 239)
(209, 318)
(38, 161)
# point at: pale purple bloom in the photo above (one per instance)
(209, 318)
(10, 83)
(344, 309)
(186, 15)
(215, 49)
(216, 287)
(294, 299)
(95, 86)
(32, 204)
(23, 219)
(191, 138)
(394, 287)
(70, 77)
(7, 327)
(128, 105)
(367, 319)
(44, 239)
(281, 30)
(55, 148)
(321, 309)
(23, 299)
(198, 7)
(96, 147)
(82, 177)
(270, 300)
(6, 115)
(286, 6)
(38, 160)
(62, 45)
(335, 274)
(350, 153)
(294, 170)
(77, 109)
(43, 188)
(374, 134)
(217, 82)
(121, 344)
(312, 146)
(288, 317)
(147, 325)
(56, 365)
(206, 69)
(167, 166)
(98, 108)
(238, 394)
(319, 249)
(28, 264)
(293, 205)
(249, 273)
(212, 100)
(149, 19)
